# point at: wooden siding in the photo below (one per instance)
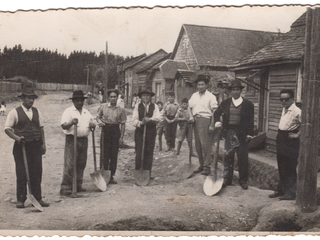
(183, 90)
(185, 52)
(158, 79)
(280, 77)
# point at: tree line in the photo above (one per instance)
(43, 65)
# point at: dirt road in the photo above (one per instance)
(168, 203)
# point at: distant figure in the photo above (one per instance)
(89, 99)
(134, 100)
(100, 95)
(185, 128)
(160, 125)
(170, 110)
(2, 108)
(288, 144)
(120, 101)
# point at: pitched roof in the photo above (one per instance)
(146, 57)
(154, 62)
(289, 47)
(121, 66)
(219, 47)
(169, 68)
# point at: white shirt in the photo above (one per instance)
(237, 102)
(135, 115)
(12, 118)
(84, 119)
(290, 119)
(203, 105)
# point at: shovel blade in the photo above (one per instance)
(188, 170)
(142, 177)
(212, 186)
(34, 202)
(99, 181)
(106, 174)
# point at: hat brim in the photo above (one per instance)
(30, 95)
(150, 93)
(78, 97)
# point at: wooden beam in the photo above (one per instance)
(307, 163)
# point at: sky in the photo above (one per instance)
(128, 31)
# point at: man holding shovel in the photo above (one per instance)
(73, 116)
(24, 124)
(149, 119)
(110, 117)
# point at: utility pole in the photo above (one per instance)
(310, 138)
(106, 74)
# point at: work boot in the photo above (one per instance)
(112, 181)
(286, 197)
(20, 204)
(206, 172)
(178, 148)
(81, 189)
(244, 185)
(43, 203)
(200, 169)
(275, 194)
(65, 192)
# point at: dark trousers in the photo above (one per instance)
(148, 149)
(170, 133)
(242, 153)
(287, 158)
(34, 159)
(110, 147)
(82, 151)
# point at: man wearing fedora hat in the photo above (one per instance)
(24, 124)
(202, 105)
(238, 122)
(75, 115)
(150, 120)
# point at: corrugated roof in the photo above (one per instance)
(219, 47)
(289, 46)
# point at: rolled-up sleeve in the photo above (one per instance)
(40, 119)
(135, 117)
(156, 114)
(66, 117)
(12, 119)
(213, 103)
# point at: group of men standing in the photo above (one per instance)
(234, 115)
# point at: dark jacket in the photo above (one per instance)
(246, 115)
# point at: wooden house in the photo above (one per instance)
(135, 74)
(206, 50)
(265, 72)
(163, 78)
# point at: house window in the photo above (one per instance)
(158, 91)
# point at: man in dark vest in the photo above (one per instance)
(24, 124)
(238, 122)
(150, 120)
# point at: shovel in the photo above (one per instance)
(106, 174)
(213, 183)
(189, 168)
(142, 176)
(30, 197)
(74, 175)
(96, 176)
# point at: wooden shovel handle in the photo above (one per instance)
(94, 151)
(74, 177)
(26, 165)
(143, 138)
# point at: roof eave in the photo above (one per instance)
(265, 64)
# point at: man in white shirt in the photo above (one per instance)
(202, 105)
(73, 115)
(288, 144)
(150, 120)
(24, 124)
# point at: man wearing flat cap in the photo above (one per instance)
(139, 120)
(24, 124)
(202, 105)
(81, 117)
(238, 122)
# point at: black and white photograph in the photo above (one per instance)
(194, 120)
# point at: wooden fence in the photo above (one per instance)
(10, 87)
